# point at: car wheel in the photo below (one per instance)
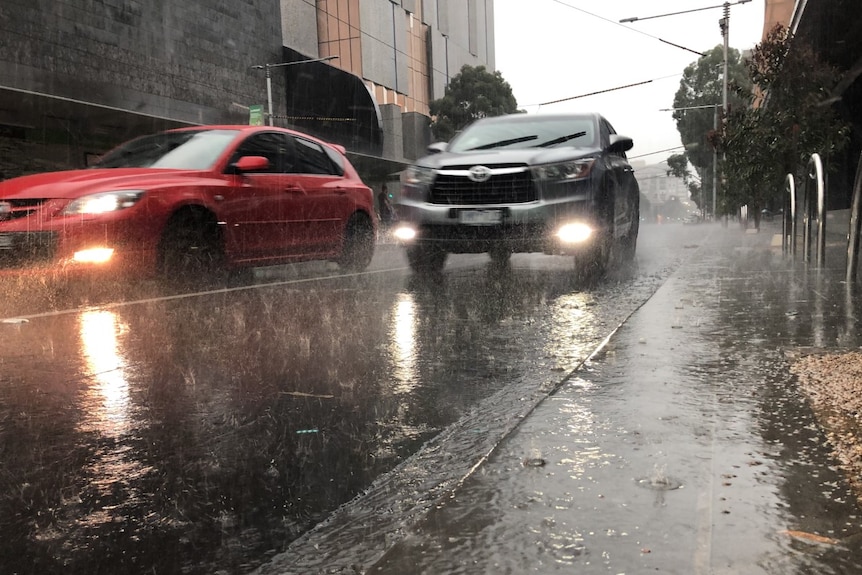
(358, 246)
(629, 244)
(500, 254)
(191, 248)
(593, 262)
(425, 258)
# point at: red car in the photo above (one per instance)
(193, 200)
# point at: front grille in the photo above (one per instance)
(514, 188)
(20, 248)
(21, 208)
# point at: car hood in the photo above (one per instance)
(77, 183)
(528, 156)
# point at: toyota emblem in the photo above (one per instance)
(479, 174)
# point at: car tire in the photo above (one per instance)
(358, 246)
(500, 255)
(629, 243)
(593, 262)
(426, 258)
(191, 248)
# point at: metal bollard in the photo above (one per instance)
(853, 238)
(815, 172)
(788, 220)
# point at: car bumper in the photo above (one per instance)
(80, 245)
(530, 227)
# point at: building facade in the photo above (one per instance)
(404, 52)
(79, 76)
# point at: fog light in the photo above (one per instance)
(93, 256)
(574, 233)
(404, 233)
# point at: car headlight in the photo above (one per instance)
(571, 170)
(418, 176)
(103, 202)
(574, 233)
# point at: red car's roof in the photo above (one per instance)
(248, 128)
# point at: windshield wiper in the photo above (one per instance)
(561, 139)
(503, 143)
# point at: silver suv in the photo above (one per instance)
(557, 184)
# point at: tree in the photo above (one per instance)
(472, 94)
(789, 119)
(678, 167)
(700, 91)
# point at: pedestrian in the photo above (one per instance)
(384, 207)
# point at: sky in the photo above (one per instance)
(550, 50)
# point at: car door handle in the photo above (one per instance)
(294, 190)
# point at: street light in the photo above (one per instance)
(724, 24)
(268, 69)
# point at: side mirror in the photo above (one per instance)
(620, 144)
(249, 164)
(437, 147)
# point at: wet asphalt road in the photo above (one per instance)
(682, 446)
(143, 431)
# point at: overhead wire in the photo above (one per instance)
(616, 23)
(561, 3)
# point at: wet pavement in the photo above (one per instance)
(683, 445)
(152, 431)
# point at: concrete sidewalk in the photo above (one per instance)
(684, 446)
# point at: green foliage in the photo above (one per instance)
(472, 94)
(789, 120)
(678, 167)
(702, 85)
(678, 164)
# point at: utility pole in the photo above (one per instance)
(267, 68)
(724, 24)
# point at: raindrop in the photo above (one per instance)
(659, 481)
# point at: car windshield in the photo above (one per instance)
(520, 133)
(186, 150)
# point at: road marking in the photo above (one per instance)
(113, 305)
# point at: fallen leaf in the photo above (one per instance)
(810, 537)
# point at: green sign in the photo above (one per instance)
(255, 115)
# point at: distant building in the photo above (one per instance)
(404, 52)
(666, 195)
(77, 77)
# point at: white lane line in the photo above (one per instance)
(113, 305)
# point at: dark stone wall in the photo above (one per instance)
(186, 60)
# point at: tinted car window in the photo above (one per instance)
(336, 158)
(189, 150)
(277, 148)
(605, 131)
(312, 159)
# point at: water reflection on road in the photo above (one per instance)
(107, 403)
(404, 347)
(180, 433)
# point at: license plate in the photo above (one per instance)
(5, 241)
(480, 217)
